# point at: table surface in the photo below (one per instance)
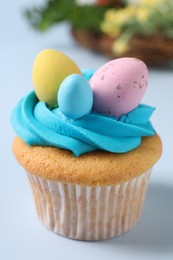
(21, 234)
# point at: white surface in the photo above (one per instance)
(21, 235)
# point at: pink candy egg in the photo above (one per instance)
(119, 85)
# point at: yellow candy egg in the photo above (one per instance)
(50, 68)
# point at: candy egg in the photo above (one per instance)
(75, 96)
(119, 85)
(50, 68)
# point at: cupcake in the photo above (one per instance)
(87, 145)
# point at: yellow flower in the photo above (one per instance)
(142, 13)
(149, 2)
(109, 29)
(123, 15)
(119, 16)
(129, 10)
(120, 46)
(113, 22)
(115, 16)
(110, 15)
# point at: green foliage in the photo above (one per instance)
(91, 17)
(54, 11)
(88, 18)
(147, 18)
(163, 19)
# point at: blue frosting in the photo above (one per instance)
(36, 124)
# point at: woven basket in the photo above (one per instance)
(152, 50)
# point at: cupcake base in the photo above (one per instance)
(89, 213)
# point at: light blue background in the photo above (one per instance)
(21, 234)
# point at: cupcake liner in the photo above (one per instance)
(89, 213)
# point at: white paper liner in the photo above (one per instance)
(89, 213)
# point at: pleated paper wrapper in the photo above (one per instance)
(89, 213)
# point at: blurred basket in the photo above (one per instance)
(153, 51)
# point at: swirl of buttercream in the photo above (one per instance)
(37, 125)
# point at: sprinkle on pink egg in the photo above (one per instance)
(119, 86)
